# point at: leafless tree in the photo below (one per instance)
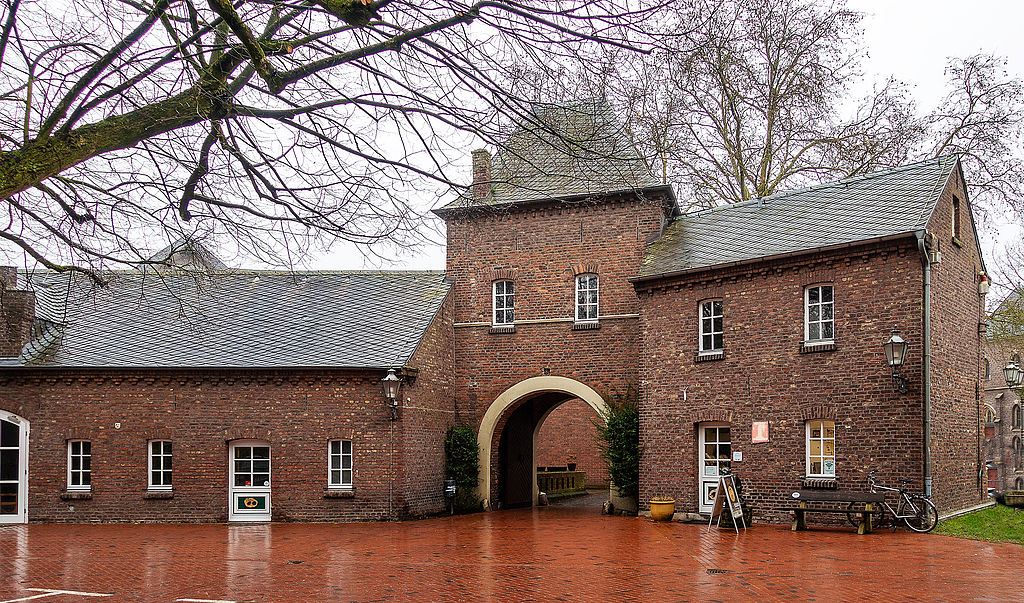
(982, 119)
(265, 121)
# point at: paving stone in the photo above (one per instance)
(546, 554)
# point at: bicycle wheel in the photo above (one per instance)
(926, 517)
(853, 511)
(878, 516)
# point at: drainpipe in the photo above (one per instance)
(926, 385)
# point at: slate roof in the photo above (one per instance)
(234, 318)
(561, 151)
(862, 208)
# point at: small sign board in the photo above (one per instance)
(759, 432)
(727, 497)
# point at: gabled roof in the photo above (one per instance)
(233, 318)
(874, 206)
(563, 151)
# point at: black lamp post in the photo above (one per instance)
(391, 382)
(896, 355)
(1012, 372)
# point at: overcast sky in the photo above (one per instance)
(908, 39)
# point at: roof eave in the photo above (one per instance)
(646, 280)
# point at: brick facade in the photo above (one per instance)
(767, 376)
(1004, 467)
(543, 248)
(398, 471)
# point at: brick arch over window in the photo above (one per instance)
(503, 274)
(707, 415)
(584, 268)
(247, 433)
(507, 399)
(818, 411)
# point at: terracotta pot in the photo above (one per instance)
(662, 509)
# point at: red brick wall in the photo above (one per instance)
(428, 409)
(398, 466)
(541, 247)
(957, 308)
(999, 447)
(17, 310)
(765, 377)
(568, 435)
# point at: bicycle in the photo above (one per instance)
(915, 510)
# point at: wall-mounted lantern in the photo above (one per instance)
(896, 355)
(391, 383)
(1012, 372)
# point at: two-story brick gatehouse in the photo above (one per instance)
(570, 273)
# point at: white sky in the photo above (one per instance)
(907, 39)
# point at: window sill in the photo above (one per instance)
(821, 483)
(158, 494)
(502, 329)
(709, 356)
(76, 495)
(339, 493)
(586, 325)
(809, 347)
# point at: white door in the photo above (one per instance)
(714, 451)
(249, 487)
(13, 468)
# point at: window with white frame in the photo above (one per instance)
(711, 328)
(503, 303)
(819, 313)
(159, 465)
(821, 448)
(586, 298)
(79, 465)
(339, 473)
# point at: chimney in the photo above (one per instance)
(481, 174)
(17, 311)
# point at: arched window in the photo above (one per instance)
(1019, 484)
(987, 369)
(990, 415)
(1018, 454)
(1015, 421)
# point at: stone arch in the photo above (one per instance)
(506, 399)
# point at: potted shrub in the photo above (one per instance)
(619, 431)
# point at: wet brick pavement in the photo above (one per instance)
(546, 554)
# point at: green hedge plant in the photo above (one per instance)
(619, 431)
(462, 464)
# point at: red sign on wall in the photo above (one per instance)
(759, 432)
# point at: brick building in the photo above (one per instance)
(570, 273)
(1002, 411)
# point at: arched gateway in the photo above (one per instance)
(550, 391)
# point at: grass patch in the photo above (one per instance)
(995, 524)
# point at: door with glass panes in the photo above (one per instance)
(13, 468)
(249, 486)
(715, 454)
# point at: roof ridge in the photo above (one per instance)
(844, 181)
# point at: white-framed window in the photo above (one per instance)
(821, 448)
(339, 464)
(586, 298)
(711, 327)
(79, 465)
(819, 313)
(503, 299)
(160, 465)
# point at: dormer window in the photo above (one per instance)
(586, 298)
(504, 303)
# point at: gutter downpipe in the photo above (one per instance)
(926, 384)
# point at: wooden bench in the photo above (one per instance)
(803, 498)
